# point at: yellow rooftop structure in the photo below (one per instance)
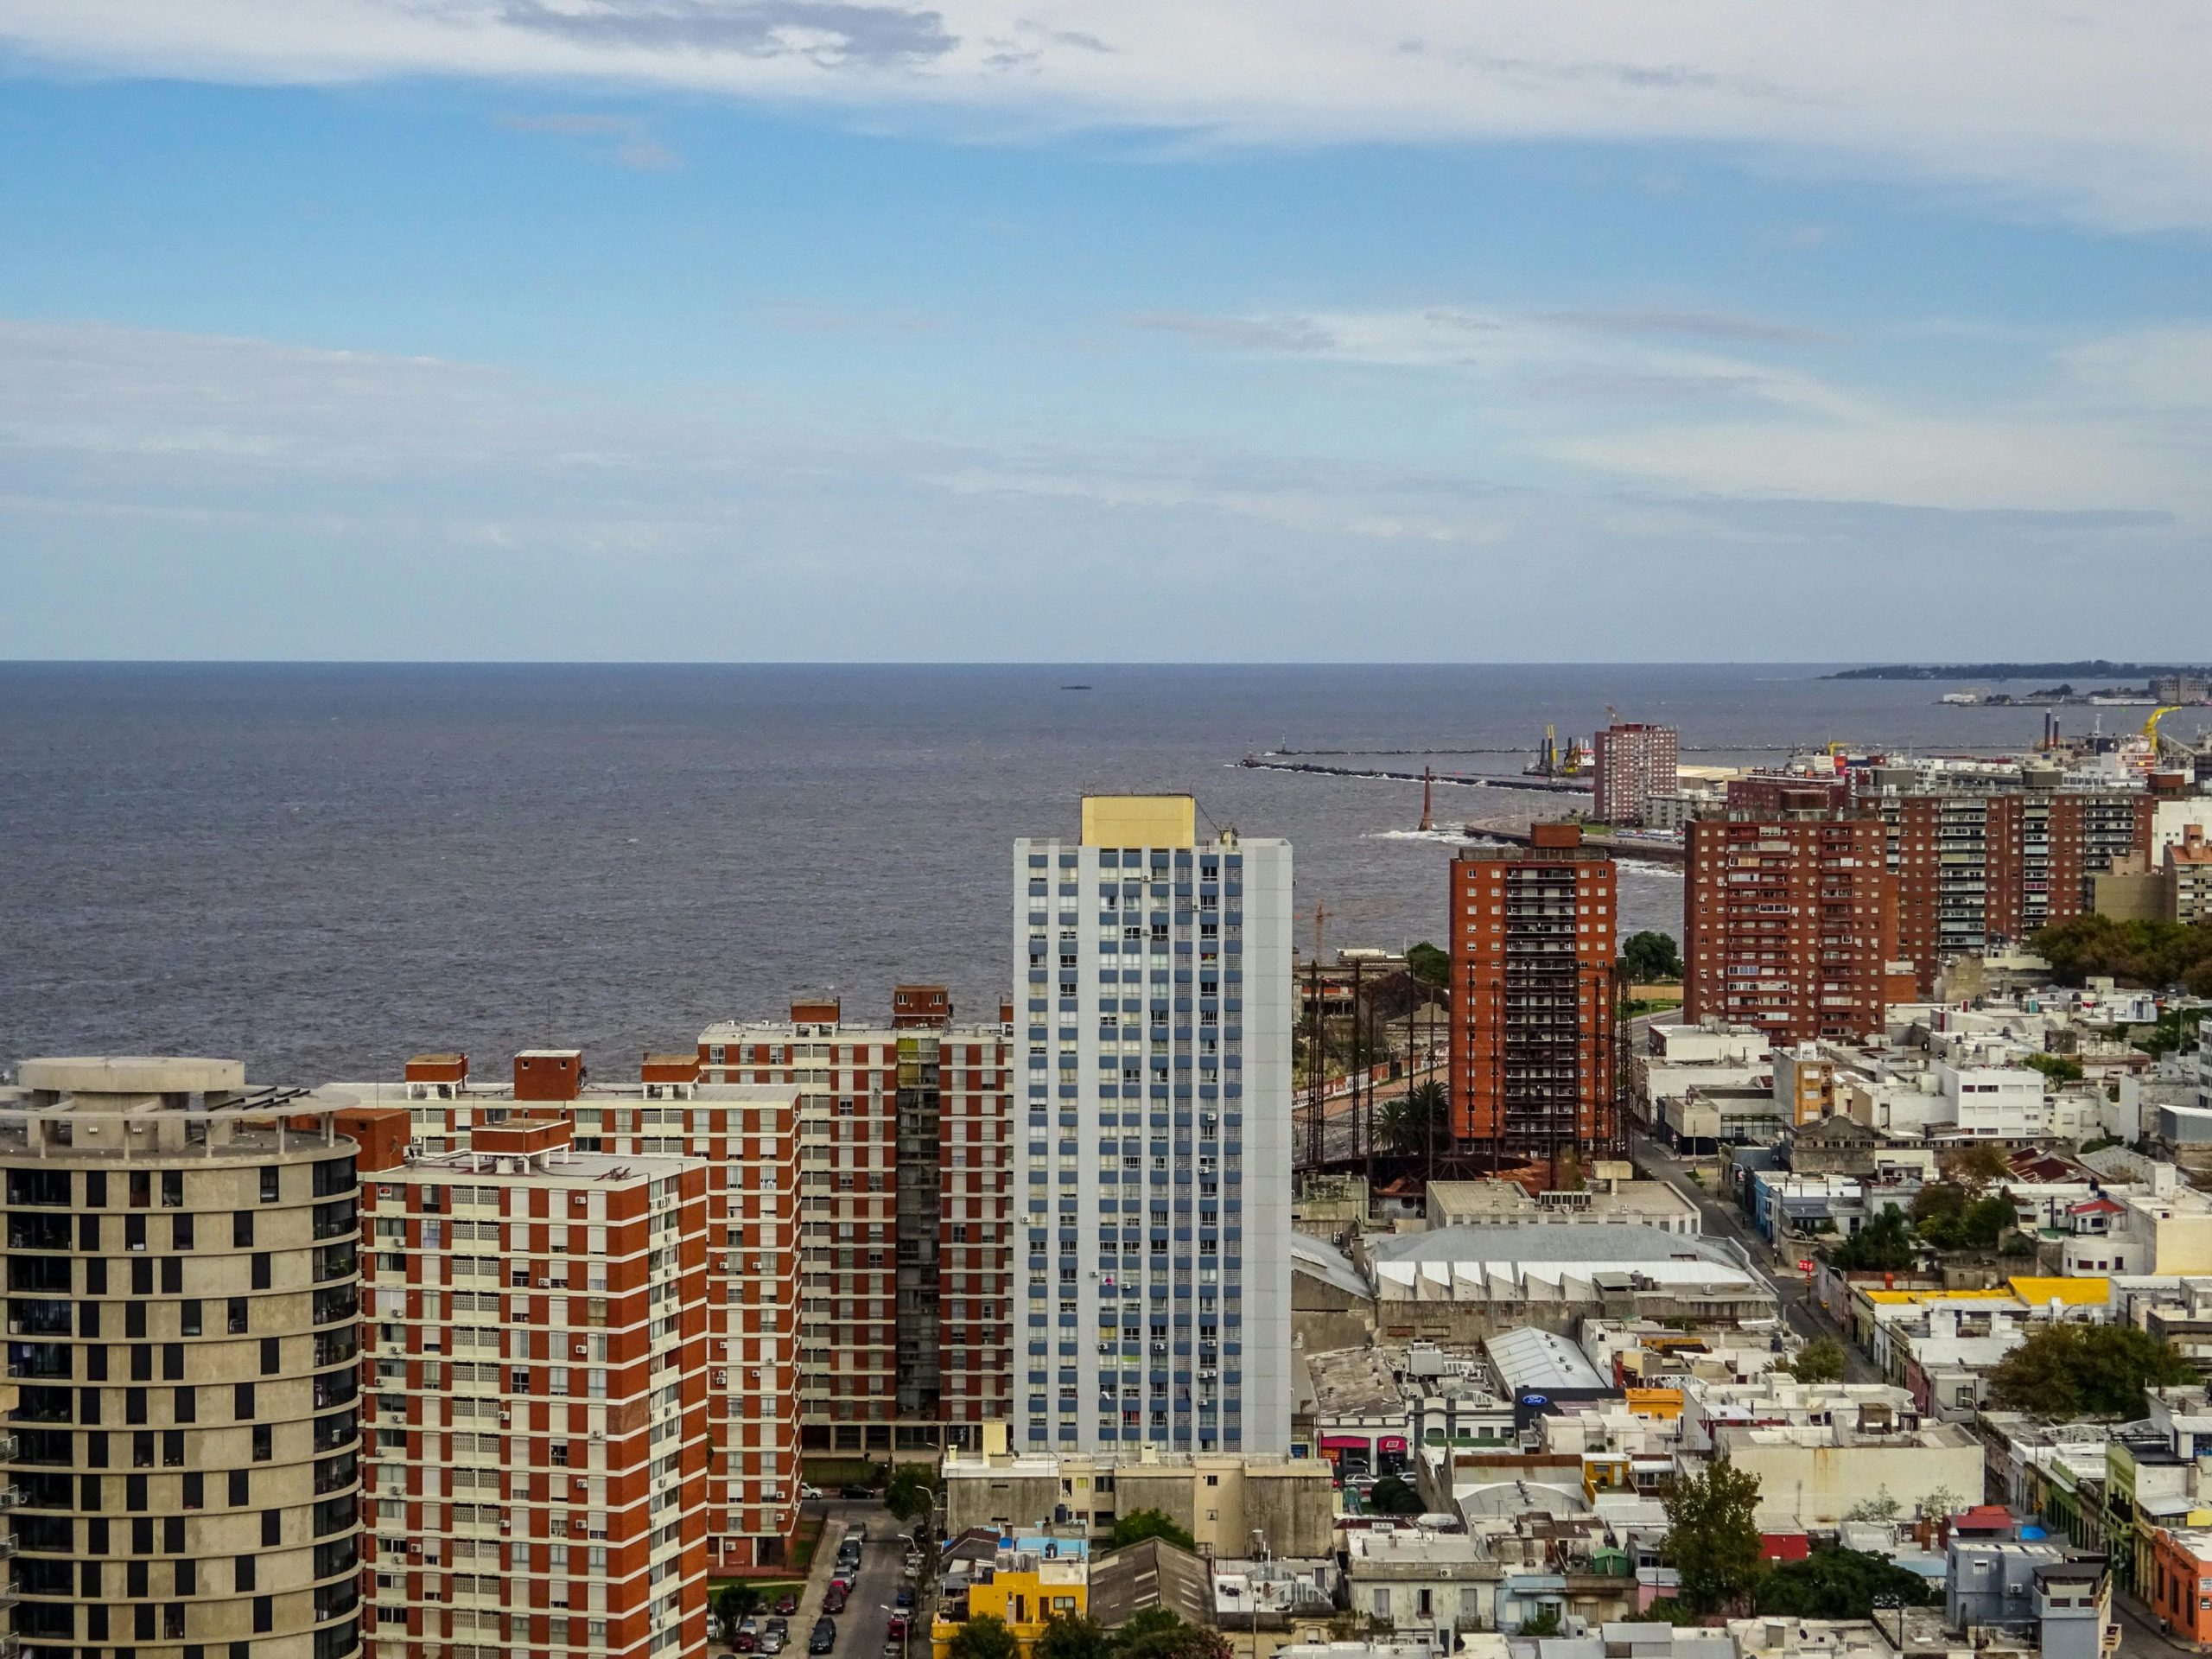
(1139, 821)
(2037, 1292)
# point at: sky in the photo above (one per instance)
(1247, 330)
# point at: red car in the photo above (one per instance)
(787, 1604)
(897, 1628)
(833, 1599)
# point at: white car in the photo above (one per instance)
(806, 1492)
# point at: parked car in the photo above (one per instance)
(857, 1533)
(894, 1650)
(747, 1639)
(787, 1604)
(771, 1642)
(777, 1626)
(856, 1491)
(833, 1598)
(904, 1601)
(897, 1627)
(806, 1492)
(824, 1637)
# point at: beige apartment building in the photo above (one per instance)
(183, 1321)
(904, 1224)
(537, 1395)
(747, 1135)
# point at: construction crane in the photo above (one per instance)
(2150, 726)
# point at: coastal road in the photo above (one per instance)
(1721, 1219)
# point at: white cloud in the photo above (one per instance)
(172, 494)
(2115, 423)
(2096, 109)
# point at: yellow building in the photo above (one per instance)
(1030, 1583)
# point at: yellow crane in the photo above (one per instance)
(2150, 726)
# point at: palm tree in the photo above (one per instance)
(1415, 1120)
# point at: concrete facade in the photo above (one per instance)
(1151, 1178)
(184, 1323)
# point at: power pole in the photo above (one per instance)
(1316, 1092)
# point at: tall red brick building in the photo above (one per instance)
(1533, 941)
(535, 1383)
(1635, 761)
(1990, 868)
(1788, 923)
(905, 1319)
(748, 1137)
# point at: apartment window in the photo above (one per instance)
(270, 1178)
(242, 1230)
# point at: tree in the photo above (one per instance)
(1077, 1636)
(1650, 958)
(1884, 1244)
(1819, 1360)
(1391, 1495)
(1413, 1121)
(1140, 1524)
(1428, 964)
(1713, 1537)
(2059, 1068)
(985, 1636)
(2078, 1370)
(908, 1494)
(1880, 1508)
(1975, 1167)
(1157, 1633)
(2147, 953)
(1546, 1623)
(732, 1604)
(1832, 1583)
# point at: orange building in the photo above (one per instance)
(1788, 924)
(2181, 1570)
(1532, 946)
(747, 1135)
(535, 1384)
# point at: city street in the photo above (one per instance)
(1721, 1219)
(862, 1626)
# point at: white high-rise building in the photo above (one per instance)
(1152, 1135)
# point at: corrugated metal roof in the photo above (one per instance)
(1529, 1359)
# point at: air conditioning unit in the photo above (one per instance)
(582, 1349)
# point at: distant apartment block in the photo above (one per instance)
(1151, 1185)
(904, 1216)
(1789, 925)
(184, 1326)
(1534, 940)
(2189, 877)
(537, 1394)
(748, 1137)
(1635, 761)
(1980, 869)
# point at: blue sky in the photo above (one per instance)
(771, 329)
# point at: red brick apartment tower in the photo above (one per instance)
(1788, 923)
(1982, 868)
(748, 1137)
(1533, 948)
(536, 1385)
(1635, 761)
(904, 1324)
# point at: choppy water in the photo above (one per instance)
(322, 869)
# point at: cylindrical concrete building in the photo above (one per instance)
(183, 1314)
